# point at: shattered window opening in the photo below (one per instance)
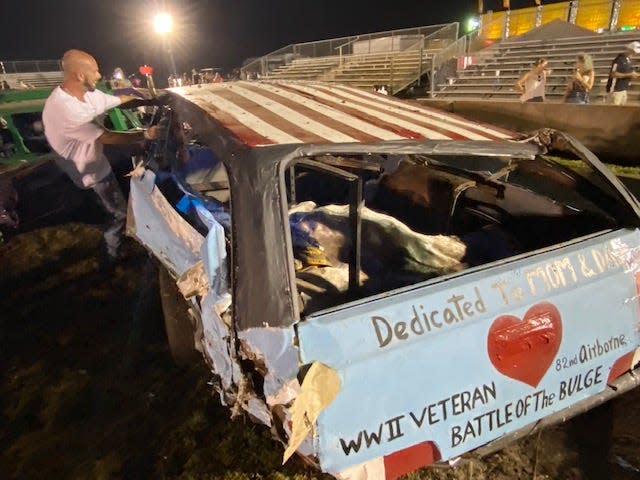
(195, 181)
(428, 216)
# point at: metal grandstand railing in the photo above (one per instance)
(446, 62)
(21, 74)
(29, 66)
(342, 47)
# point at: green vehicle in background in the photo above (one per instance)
(34, 192)
(22, 133)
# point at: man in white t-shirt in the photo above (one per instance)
(69, 118)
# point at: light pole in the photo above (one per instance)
(163, 25)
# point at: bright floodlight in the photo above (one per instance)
(472, 24)
(162, 23)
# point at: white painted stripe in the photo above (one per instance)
(395, 108)
(294, 117)
(245, 118)
(335, 114)
(371, 470)
(426, 132)
(442, 116)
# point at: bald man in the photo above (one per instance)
(69, 118)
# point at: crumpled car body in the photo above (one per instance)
(386, 286)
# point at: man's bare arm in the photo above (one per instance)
(110, 137)
(129, 101)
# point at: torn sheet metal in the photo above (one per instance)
(274, 351)
(538, 336)
(193, 282)
(218, 341)
(319, 387)
(155, 223)
(214, 254)
(257, 409)
(554, 140)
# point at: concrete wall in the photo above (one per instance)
(611, 132)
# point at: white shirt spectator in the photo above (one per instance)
(71, 130)
(534, 86)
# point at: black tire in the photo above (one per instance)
(177, 321)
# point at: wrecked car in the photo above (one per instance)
(382, 284)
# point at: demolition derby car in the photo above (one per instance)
(384, 285)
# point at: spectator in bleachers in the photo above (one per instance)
(581, 82)
(533, 83)
(621, 74)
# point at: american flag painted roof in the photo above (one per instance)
(261, 113)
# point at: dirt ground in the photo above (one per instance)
(88, 388)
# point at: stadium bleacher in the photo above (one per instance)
(394, 59)
(480, 65)
(26, 74)
(392, 69)
(498, 67)
(33, 79)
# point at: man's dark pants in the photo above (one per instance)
(112, 200)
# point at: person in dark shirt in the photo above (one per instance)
(621, 74)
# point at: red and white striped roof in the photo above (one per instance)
(271, 113)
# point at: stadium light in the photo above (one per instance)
(162, 23)
(472, 24)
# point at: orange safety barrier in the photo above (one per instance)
(521, 21)
(492, 24)
(629, 15)
(555, 11)
(594, 14)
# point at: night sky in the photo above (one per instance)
(208, 33)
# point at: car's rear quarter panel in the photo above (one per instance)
(529, 338)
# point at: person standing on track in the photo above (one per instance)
(71, 128)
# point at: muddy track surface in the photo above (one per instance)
(88, 388)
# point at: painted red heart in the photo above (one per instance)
(523, 349)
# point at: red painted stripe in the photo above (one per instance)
(338, 104)
(621, 366)
(240, 131)
(504, 131)
(444, 131)
(327, 121)
(270, 118)
(431, 112)
(410, 459)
